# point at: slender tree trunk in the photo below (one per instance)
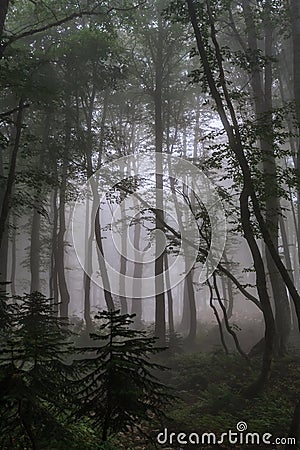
(169, 293)
(263, 110)
(4, 245)
(35, 252)
(62, 283)
(95, 215)
(35, 244)
(4, 258)
(53, 279)
(7, 195)
(211, 303)
(13, 255)
(123, 262)
(160, 320)
(229, 290)
(170, 299)
(3, 13)
(230, 299)
(226, 322)
(185, 318)
(102, 266)
(235, 142)
(6, 200)
(136, 305)
(89, 235)
(87, 267)
(295, 19)
(192, 308)
(273, 210)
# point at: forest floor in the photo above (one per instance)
(210, 389)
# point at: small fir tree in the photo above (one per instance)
(34, 375)
(121, 391)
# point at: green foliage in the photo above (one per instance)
(211, 390)
(33, 374)
(117, 389)
(121, 390)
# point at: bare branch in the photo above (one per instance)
(12, 111)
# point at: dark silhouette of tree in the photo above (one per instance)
(34, 371)
(120, 389)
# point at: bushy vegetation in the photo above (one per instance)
(51, 398)
(212, 390)
(113, 393)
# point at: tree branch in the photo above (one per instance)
(12, 111)
(62, 21)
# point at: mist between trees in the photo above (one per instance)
(135, 137)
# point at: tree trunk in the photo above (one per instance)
(136, 305)
(102, 265)
(123, 261)
(263, 110)
(211, 303)
(3, 13)
(295, 19)
(6, 200)
(53, 279)
(160, 320)
(89, 235)
(235, 142)
(62, 283)
(226, 322)
(5, 241)
(3, 259)
(13, 255)
(35, 245)
(95, 213)
(170, 299)
(192, 308)
(229, 290)
(35, 252)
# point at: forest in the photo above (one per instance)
(149, 224)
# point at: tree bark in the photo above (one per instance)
(169, 298)
(247, 189)
(35, 247)
(136, 305)
(211, 303)
(160, 320)
(225, 317)
(35, 244)
(263, 110)
(102, 265)
(6, 201)
(62, 283)
(3, 13)
(295, 19)
(53, 279)
(4, 259)
(13, 255)
(95, 214)
(123, 261)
